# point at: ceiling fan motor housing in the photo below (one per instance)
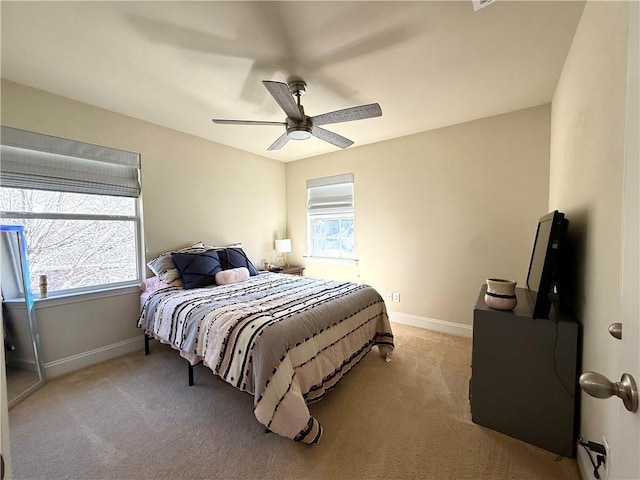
(298, 87)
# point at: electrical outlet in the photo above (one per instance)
(396, 297)
(607, 457)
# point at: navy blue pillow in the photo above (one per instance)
(234, 257)
(197, 269)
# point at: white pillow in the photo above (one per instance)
(164, 268)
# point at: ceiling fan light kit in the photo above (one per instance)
(300, 132)
(299, 126)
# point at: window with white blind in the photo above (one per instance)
(80, 207)
(330, 217)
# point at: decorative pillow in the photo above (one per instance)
(164, 267)
(233, 275)
(154, 283)
(234, 257)
(197, 269)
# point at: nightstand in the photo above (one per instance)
(292, 271)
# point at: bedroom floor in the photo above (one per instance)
(135, 417)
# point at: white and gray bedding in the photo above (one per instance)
(285, 339)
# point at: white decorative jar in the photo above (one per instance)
(501, 294)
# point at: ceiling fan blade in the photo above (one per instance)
(281, 94)
(280, 142)
(331, 137)
(348, 114)
(245, 122)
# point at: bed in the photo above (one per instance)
(285, 339)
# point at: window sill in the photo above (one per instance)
(66, 299)
(334, 261)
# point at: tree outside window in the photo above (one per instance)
(79, 241)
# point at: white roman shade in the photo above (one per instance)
(330, 194)
(43, 162)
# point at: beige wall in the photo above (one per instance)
(192, 190)
(586, 177)
(438, 212)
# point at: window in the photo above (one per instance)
(79, 205)
(330, 217)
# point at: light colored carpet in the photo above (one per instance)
(134, 417)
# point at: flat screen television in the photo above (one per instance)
(545, 261)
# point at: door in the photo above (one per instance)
(625, 440)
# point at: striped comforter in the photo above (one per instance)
(285, 339)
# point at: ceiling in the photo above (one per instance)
(179, 64)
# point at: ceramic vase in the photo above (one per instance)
(501, 294)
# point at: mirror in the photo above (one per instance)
(21, 340)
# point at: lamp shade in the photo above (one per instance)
(283, 245)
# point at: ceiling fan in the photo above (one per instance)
(298, 125)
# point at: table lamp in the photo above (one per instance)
(283, 247)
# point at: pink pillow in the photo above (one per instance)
(233, 275)
(154, 283)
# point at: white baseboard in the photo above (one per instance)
(442, 326)
(85, 359)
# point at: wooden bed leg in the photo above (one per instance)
(190, 374)
(146, 344)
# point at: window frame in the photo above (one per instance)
(332, 213)
(136, 219)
